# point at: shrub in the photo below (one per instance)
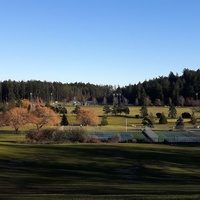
(141, 141)
(93, 139)
(129, 141)
(137, 116)
(144, 111)
(186, 115)
(33, 135)
(62, 110)
(104, 120)
(193, 120)
(115, 139)
(76, 135)
(59, 137)
(50, 135)
(158, 115)
(40, 135)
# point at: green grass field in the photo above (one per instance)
(100, 171)
(97, 171)
(134, 110)
(122, 122)
(132, 122)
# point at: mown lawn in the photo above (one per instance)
(134, 110)
(98, 171)
(133, 123)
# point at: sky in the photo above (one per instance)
(103, 42)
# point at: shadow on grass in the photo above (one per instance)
(98, 168)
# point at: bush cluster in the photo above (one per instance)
(158, 115)
(47, 136)
(56, 136)
(186, 115)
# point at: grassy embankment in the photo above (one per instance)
(98, 171)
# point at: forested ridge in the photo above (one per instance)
(180, 90)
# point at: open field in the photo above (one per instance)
(98, 171)
(134, 110)
(132, 122)
(122, 122)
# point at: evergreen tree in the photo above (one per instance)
(172, 112)
(76, 109)
(181, 90)
(144, 111)
(126, 110)
(193, 120)
(11, 98)
(106, 109)
(163, 119)
(151, 117)
(114, 110)
(104, 120)
(179, 123)
(147, 122)
(64, 121)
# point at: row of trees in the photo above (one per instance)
(116, 109)
(174, 89)
(39, 116)
(20, 113)
(148, 119)
(172, 112)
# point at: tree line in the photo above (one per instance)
(183, 90)
(41, 115)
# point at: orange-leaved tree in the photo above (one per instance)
(88, 117)
(41, 116)
(2, 119)
(16, 117)
(25, 103)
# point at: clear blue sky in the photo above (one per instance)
(114, 42)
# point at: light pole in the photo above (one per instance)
(31, 95)
(119, 98)
(116, 99)
(197, 98)
(51, 97)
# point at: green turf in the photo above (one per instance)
(119, 122)
(97, 171)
